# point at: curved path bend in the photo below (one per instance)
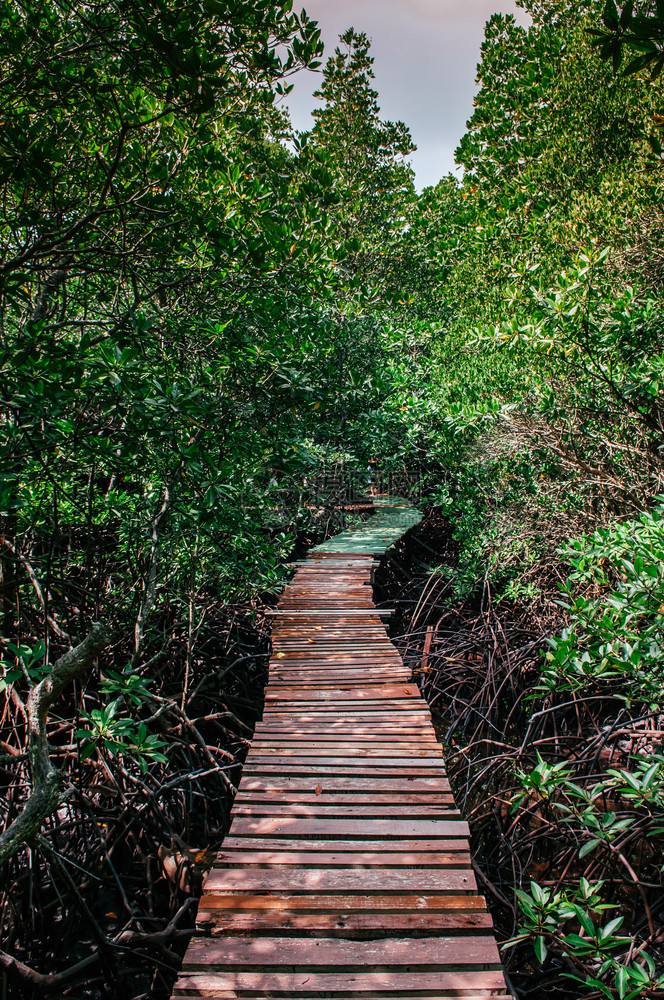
(346, 872)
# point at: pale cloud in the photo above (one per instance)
(426, 53)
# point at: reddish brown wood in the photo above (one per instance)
(384, 692)
(347, 868)
(335, 784)
(345, 810)
(379, 758)
(342, 800)
(478, 951)
(307, 880)
(353, 983)
(349, 844)
(344, 859)
(336, 924)
(362, 768)
(342, 903)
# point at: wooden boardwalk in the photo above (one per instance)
(346, 872)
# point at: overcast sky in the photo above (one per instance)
(426, 54)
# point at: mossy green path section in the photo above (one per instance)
(393, 518)
(346, 872)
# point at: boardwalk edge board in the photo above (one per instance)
(346, 871)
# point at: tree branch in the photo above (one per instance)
(46, 779)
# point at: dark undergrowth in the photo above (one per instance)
(534, 772)
(103, 902)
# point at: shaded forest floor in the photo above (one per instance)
(478, 664)
(105, 902)
(125, 857)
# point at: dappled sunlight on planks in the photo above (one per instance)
(346, 872)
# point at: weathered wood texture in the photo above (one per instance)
(346, 872)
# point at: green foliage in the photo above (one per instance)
(546, 913)
(118, 734)
(175, 351)
(637, 27)
(615, 604)
(373, 183)
(549, 918)
(182, 344)
(199, 311)
(536, 261)
(610, 653)
(542, 268)
(29, 664)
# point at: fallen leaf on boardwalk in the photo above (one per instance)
(318, 789)
(279, 656)
(201, 854)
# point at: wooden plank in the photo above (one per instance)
(309, 673)
(394, 752)
(351, 983)
(346, 650)
(374, 846)
(368, 715)
(345, 902)
(323, 681)
(364, 725)
(371, 829)
(340, 747)
(261, 995)
(232, 995)
(340, 744)
(294, 759)
(374, 693)
(316, 810)
(323, 793)
(311, 668)
(343, 859)
(323, 730)
(439, 953)
(337, 613)
(280, 783)
(334, 708)
(390, 756)
(346, 772)
(332, 924)
(362, 736)
(314, 680)
(346, 871)
(424, 758)
(346, 661)
(331, 879)
(432, 800)
(353, 768)
(344, 706)
(384, 734)
(341, 709)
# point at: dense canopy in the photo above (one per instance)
(210, 327)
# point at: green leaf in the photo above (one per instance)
(657, 68)
(588, 847)
(610, 15)
(626, 14)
